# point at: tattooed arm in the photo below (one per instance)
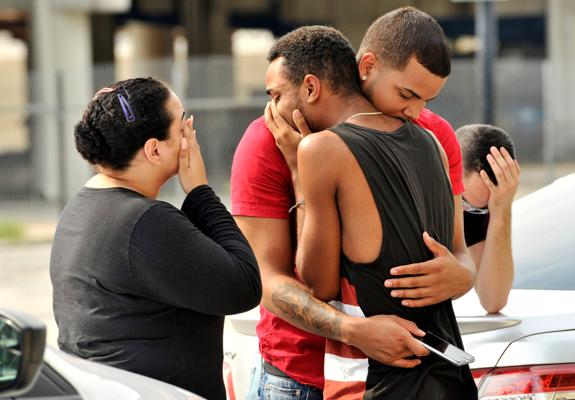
(385, 338)
(295, 303)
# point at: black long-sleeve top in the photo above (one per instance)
(143, 286)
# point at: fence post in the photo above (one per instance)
(486, 32)
(61, 129)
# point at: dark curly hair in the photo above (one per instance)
(107, 137)
(322, 51)
(405, 32)
(476, 140)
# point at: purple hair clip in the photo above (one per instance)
(126, 108)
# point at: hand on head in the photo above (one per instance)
(191, 171)
(507, 173)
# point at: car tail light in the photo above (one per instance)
(229, 381)
(537, 382)
(479, 374)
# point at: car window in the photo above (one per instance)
(546, 270)
(544, 239)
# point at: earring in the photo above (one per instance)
(308, 100)
(364, 77)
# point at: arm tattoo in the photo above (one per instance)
(298, 304)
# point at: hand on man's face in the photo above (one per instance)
(286, 137)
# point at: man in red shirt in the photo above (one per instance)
(293, 323)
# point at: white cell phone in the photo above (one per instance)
(445, 350)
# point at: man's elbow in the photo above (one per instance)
(320, 286)
(323, 293)
(493, 306)
(269, 285)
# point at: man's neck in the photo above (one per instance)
(341, 108)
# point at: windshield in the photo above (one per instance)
(544, 237)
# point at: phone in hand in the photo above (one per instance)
(445, 350)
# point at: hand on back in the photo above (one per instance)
(390, 340)
(428, 282)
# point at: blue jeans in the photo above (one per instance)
(274, 387)
(255, 379)
(266, 386)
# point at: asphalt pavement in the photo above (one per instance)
(25, 281)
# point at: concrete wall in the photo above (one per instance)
(62, 59)
(560, 81)
(13, 94)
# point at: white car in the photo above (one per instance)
(528, 350)
(28, 369)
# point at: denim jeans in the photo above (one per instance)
(274, 387)
(265, 386)
(255, 379)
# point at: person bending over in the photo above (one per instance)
(490, 175)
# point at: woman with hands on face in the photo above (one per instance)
(138, 283)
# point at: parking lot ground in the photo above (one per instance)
(25, 282)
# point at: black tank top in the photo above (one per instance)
(412, 194)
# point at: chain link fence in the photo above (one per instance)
(207, 91)
(517, 103)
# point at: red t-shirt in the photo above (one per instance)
(446, 136)
(261, 187)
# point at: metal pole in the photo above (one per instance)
(486, 33)
(549, 130)
(43, 94)
(60, 112)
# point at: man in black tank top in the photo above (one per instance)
(372, 185)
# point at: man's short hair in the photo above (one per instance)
(322, 51)
(405, 32)
(476, 140)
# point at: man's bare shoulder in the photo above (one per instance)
(324, 154)
(323, 142)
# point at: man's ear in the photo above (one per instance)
(312, 86)
(366, 64)
(152, 151)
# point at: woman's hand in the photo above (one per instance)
(192, 171)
